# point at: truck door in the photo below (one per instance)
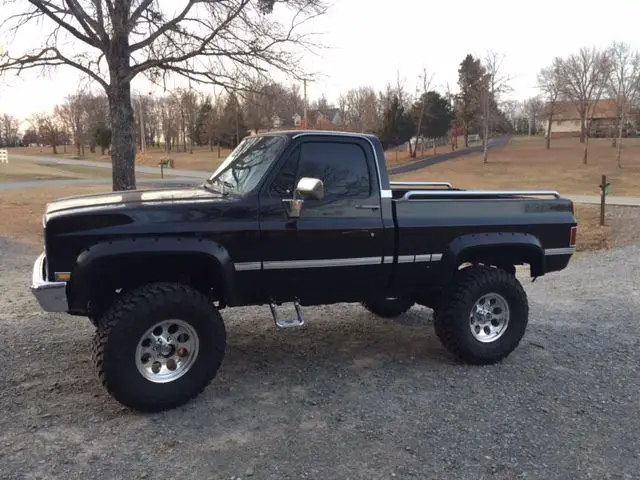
(334, 250)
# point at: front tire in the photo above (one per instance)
(159, 346)
(483, 315)
(389, 307)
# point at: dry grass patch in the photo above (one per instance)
(591, 236)
(21, 210)
(526, 164)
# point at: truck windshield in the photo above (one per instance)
(246, 164)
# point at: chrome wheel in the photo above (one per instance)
(489, 318)
(167, 351)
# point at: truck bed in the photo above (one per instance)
(430, 216)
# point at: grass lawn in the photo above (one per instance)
(526, 164)
(21, 216)
(23, 170)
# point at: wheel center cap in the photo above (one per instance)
(164, 347)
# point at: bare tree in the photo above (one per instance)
(533, 108)
(9, 131)
(73, 115)
(583, 77)
(50, 131)
(549, 84)
(623, 86)
(113, 41)
(190, 106)
(495, 84)
(425, 84)
(361, 109)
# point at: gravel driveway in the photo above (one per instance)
(349, 396)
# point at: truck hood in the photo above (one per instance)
(130, 197)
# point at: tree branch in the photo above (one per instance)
(43, 6)
(164, 28)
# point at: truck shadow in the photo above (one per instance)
(334, 337)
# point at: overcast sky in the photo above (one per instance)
(371, 40)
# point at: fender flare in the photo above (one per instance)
(464, 245)
(93, 258)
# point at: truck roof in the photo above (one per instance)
(294, 133)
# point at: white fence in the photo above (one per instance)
(4, 156)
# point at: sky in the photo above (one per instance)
(370, 42)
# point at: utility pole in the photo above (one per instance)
(304, 82)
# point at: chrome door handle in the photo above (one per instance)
(369, 207)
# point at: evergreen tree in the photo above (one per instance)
(232, 125)
(202, 130)
(469, 106)
(397, 125)
(437, 117)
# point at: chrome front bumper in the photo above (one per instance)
(52, 296)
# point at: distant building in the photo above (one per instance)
(566, 120)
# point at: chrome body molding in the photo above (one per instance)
(419, 185)
(335, 262)
(478, 193)
(52, 296)
(560, 251)
(246, 266)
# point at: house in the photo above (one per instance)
(326, 119)
(566, 119)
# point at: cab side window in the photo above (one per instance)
(341, 166)
(285, 181)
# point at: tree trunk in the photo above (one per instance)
(583, 128)
(586, 148)
(549, 124)
(123, 149)
(619, 149)
(485, 149)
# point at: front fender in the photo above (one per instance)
(91, 260)
(506, 247)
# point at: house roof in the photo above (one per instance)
(604, 108)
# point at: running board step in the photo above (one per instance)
(282, 323)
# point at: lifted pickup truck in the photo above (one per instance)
(298, 217)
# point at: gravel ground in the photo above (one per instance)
(349, 396)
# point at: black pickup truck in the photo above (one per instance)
(300, 217)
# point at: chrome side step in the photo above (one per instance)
(287, 323)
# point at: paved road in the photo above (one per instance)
(427, 162)
(171, 172)
(610, 200)
(146, 182)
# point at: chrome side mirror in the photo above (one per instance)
(310, 188)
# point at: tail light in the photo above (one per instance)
(573, 236)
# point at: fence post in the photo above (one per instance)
(4, 155)
(604, 186)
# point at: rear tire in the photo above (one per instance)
(483, 315)
(388, 307)
(159, 346)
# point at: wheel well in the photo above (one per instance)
(503, 257)
(122, 274)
